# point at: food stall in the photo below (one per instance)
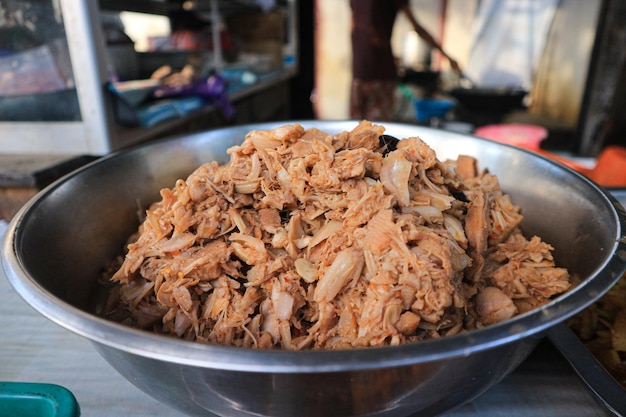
(96, 108)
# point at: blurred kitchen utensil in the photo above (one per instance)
(489, 99)
(465, 81)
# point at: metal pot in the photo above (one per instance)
(57, 244)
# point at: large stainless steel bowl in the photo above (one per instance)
(57, 244)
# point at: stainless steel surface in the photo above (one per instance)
(89, 214)
(610, 392)
(599, 381)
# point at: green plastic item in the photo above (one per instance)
(26, 399)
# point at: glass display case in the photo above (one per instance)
(60, 61)
(49, 96)
(36, 79)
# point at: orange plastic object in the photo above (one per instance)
(610, 168)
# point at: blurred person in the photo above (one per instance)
(374, 72)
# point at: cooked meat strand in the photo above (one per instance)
(307, 240)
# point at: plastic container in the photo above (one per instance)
(610, 169)
(24, 399)
(516, 134)
(427, 108)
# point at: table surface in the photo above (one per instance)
(34, 349)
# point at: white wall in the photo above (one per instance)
(332, 59)
(508, 37)
(562, 72)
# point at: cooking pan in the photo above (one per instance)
(490, 99)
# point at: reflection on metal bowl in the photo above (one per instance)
(90, 213)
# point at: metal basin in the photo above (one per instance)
(57, 244)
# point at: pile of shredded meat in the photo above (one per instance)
(306, 240)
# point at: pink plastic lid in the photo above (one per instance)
(522, 135)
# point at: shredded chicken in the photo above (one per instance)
(306, 240)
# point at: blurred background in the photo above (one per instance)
(89, 78)
(81, 79)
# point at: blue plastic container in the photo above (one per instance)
(427, 108)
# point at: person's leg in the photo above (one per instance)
(372, 100)
(357, 99)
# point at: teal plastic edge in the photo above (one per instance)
(23, 394)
